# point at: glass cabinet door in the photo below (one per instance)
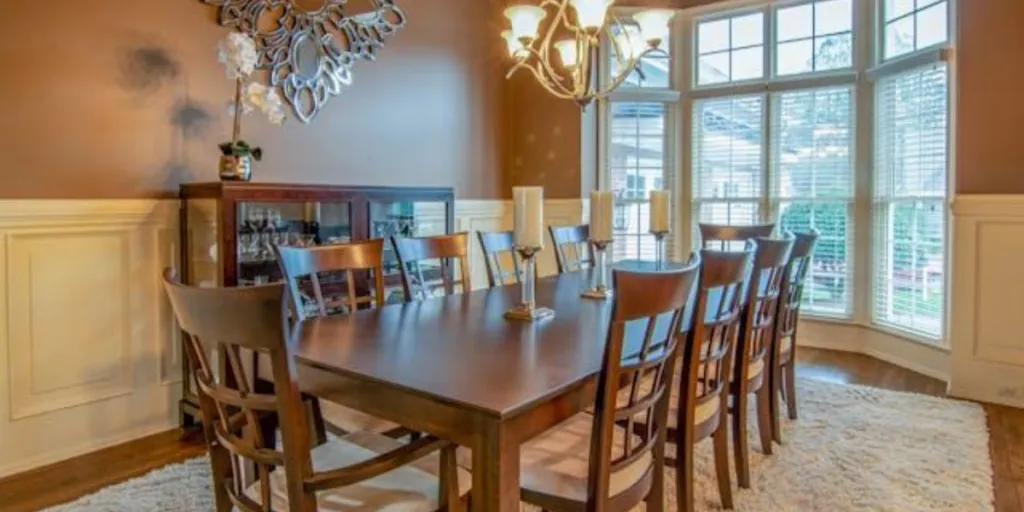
(405, 219)
(261, 225)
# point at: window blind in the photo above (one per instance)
(637, 165)
(728, 163)
(812, 171)
(911, 173)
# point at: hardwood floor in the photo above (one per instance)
(68, 480)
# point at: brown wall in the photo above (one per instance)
(990, 109)
(125, 98)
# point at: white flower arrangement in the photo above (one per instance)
(238, 54)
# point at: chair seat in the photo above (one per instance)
(410, 488)
(341, 417)
(557, 462)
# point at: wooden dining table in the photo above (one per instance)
(455, 368)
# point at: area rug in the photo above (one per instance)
(854, 448)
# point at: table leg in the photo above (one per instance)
(495, 471)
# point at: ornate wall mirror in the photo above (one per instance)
(310, 46)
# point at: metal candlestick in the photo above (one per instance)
(659, 247)
(527, 310)
(600, 290)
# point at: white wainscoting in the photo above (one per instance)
(87, 347)
(913, 355)
(988, 299)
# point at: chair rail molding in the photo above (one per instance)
(988, 290)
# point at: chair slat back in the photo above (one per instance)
(731, 238)
(715, 327)
(793, 283)
(632, 388)
(573, 250)
(419, 283)
(305, 268)
(252, 318)
(499, 247)
(766, 277)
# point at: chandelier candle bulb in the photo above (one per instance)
(528, 211)
(525, 20)
(590, 13)
(660, 217)
(567, 50)
(601, 216)
(654, 24)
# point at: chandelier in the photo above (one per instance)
(578, 45)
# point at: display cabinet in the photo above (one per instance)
(228, 230)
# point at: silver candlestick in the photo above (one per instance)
(659, 248)
(527, 310)
(600, 289)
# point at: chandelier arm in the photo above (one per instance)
(623, 75)
(554, 88)
(543, 68)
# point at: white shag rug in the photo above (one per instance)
(854, 448)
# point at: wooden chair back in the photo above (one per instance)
(499, 246)
(301, 265)
(255, 318)
(764, 291)
(446, 250)
(633, 387)
(793, 283)
(729, 238)
(573, 250)
(716, 319)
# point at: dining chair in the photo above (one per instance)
(783, 374)
(698, 408)
(302, 268)
(499, 247)
(756, 344)
(573, 250)
(354, 472)
(727, 237)
(604, 461)
(412, 253)
(299, 264)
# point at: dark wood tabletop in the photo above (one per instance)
(459, 349)
(456, 368)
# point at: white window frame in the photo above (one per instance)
(868, 67)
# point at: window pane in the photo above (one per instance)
(833, 52)
(713, 69)
(656, 69)
(899, 37)
(795, 22)
(911, 134)
(636, 163)
(932, 25)
(813, 173)
(748, 30)
(833, 17)
(748, 63)
(727, 159)
(827, 290)
(896, 8)
(713, 36)
(795, 57)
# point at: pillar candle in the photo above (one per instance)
(659, 211)
(601, 216)
(528, 211)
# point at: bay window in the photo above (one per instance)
(817, 114)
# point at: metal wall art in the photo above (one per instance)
(310, 46)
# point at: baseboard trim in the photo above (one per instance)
(55, 456)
